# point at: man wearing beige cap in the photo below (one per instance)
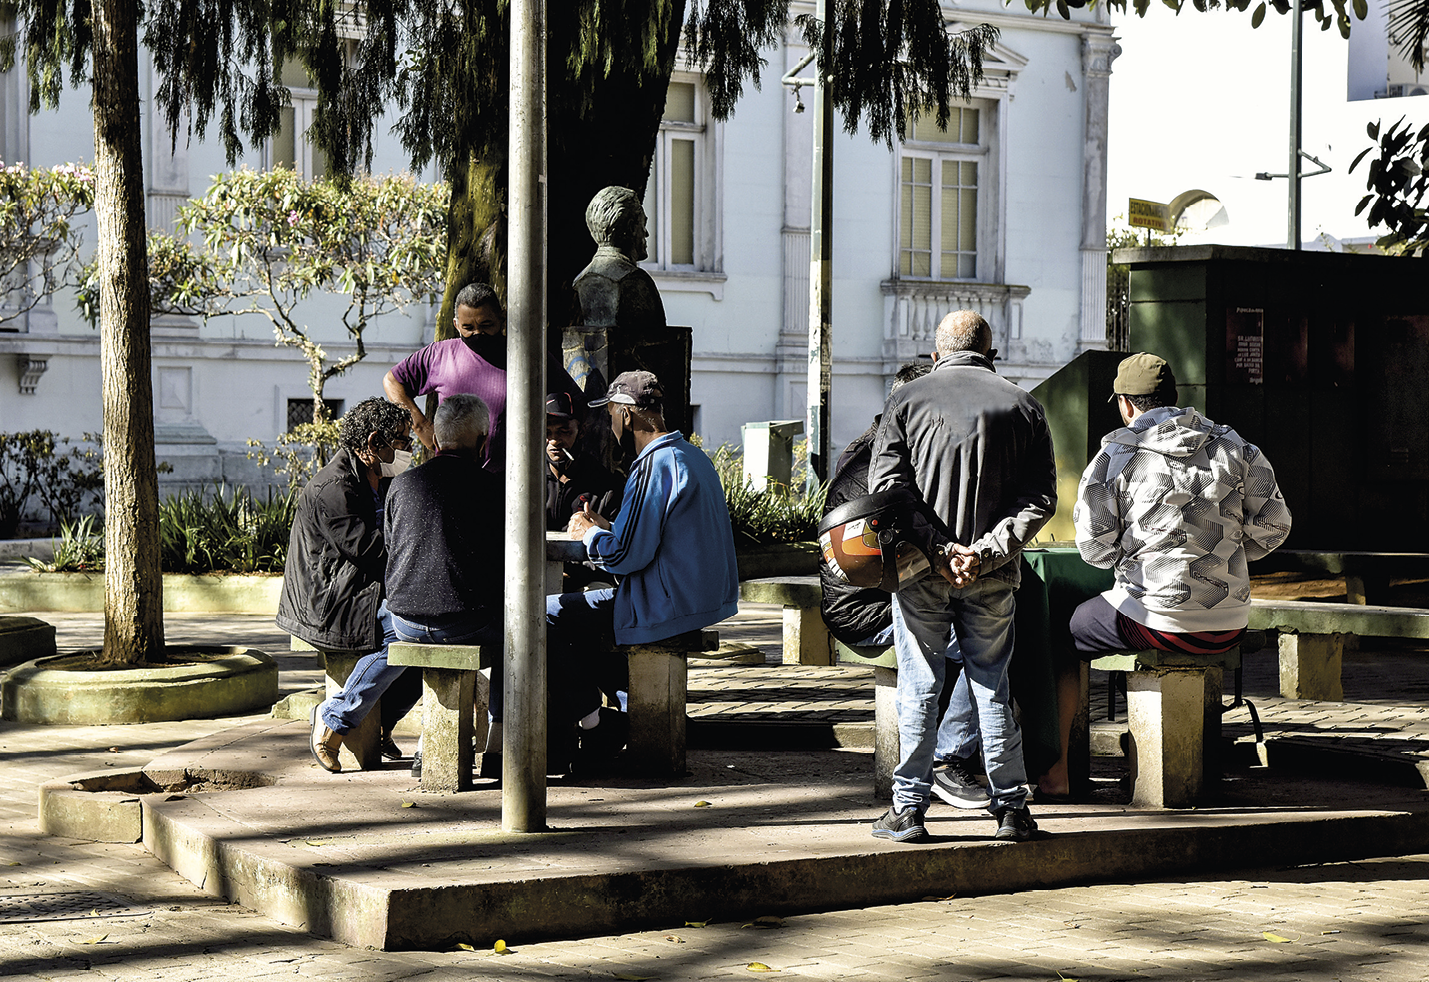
(1176, 505)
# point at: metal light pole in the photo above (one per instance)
(523, 772)
(1293, 204)
(821, 265)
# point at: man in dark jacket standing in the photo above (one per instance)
(976, 448)
(337, 559)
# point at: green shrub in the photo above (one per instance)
(79, 549)
(298, 454)
(37, 464)
(778, 514)
(216, 531)
(225, 531)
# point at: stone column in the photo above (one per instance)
(1099, 50)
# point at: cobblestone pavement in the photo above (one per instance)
(1350, 921)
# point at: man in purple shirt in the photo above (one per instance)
(474, 362)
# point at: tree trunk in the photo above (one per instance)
(602, 138)
(133, 586)
(476, 235)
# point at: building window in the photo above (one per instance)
(291, 146)
(301, 411)
(677, 204)
(941, 190)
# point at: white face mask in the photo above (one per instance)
(401, 460)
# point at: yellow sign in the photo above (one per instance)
(1148, 214)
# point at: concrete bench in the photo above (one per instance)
(450, 723)
(1366, 574)
(657, 689)
(1174, 715)
(362, 745)
(806, 639)
(884, 663)
(1313, 635)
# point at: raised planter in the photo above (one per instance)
(225, 682)
(106, 806)
(778, 559)
(217, 593)
(24, 639)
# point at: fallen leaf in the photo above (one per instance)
(767, 921)
(759, 967)
(702, 804)
(314, 842)
(409, 804)
(1274, 937)
(940, 900)
(696, 923)
(674, 939)
(1066, 979)
(96, 940)
(500, 948)
(12, 864)
(464, 947)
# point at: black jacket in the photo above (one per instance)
(852, 614)
(446, 552)
(584, 476)
(977, 449)
(332, 584)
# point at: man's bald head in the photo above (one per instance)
(963, 330)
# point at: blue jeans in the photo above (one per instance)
(482, 627)
(371, 679)
(930, 618)
(957, 733)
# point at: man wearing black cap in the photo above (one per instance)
(1176, 505)
(671, 545)
(573, 477)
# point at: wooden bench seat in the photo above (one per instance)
(1313, 635)
(806, 639)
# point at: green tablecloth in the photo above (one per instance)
(1054, 582)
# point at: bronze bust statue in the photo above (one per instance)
(613, 290)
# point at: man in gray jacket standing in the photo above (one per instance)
(976, 448)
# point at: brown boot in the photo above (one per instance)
(324, 743)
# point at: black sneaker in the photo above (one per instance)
(900, 826)
(388, 747)
(1014, 824)
(956, 785)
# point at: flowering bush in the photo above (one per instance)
(39, 237)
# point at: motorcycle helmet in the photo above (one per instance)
(881, 540)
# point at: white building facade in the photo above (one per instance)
(1004, 213)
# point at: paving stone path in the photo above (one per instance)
(1359, 921)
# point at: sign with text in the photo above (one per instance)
(1148, 214)
(1245, 345)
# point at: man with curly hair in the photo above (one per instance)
(333, 592)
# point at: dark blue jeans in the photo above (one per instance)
(480, 627)
(371, 679)
(580, 631)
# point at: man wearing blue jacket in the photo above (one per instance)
(671, 545)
